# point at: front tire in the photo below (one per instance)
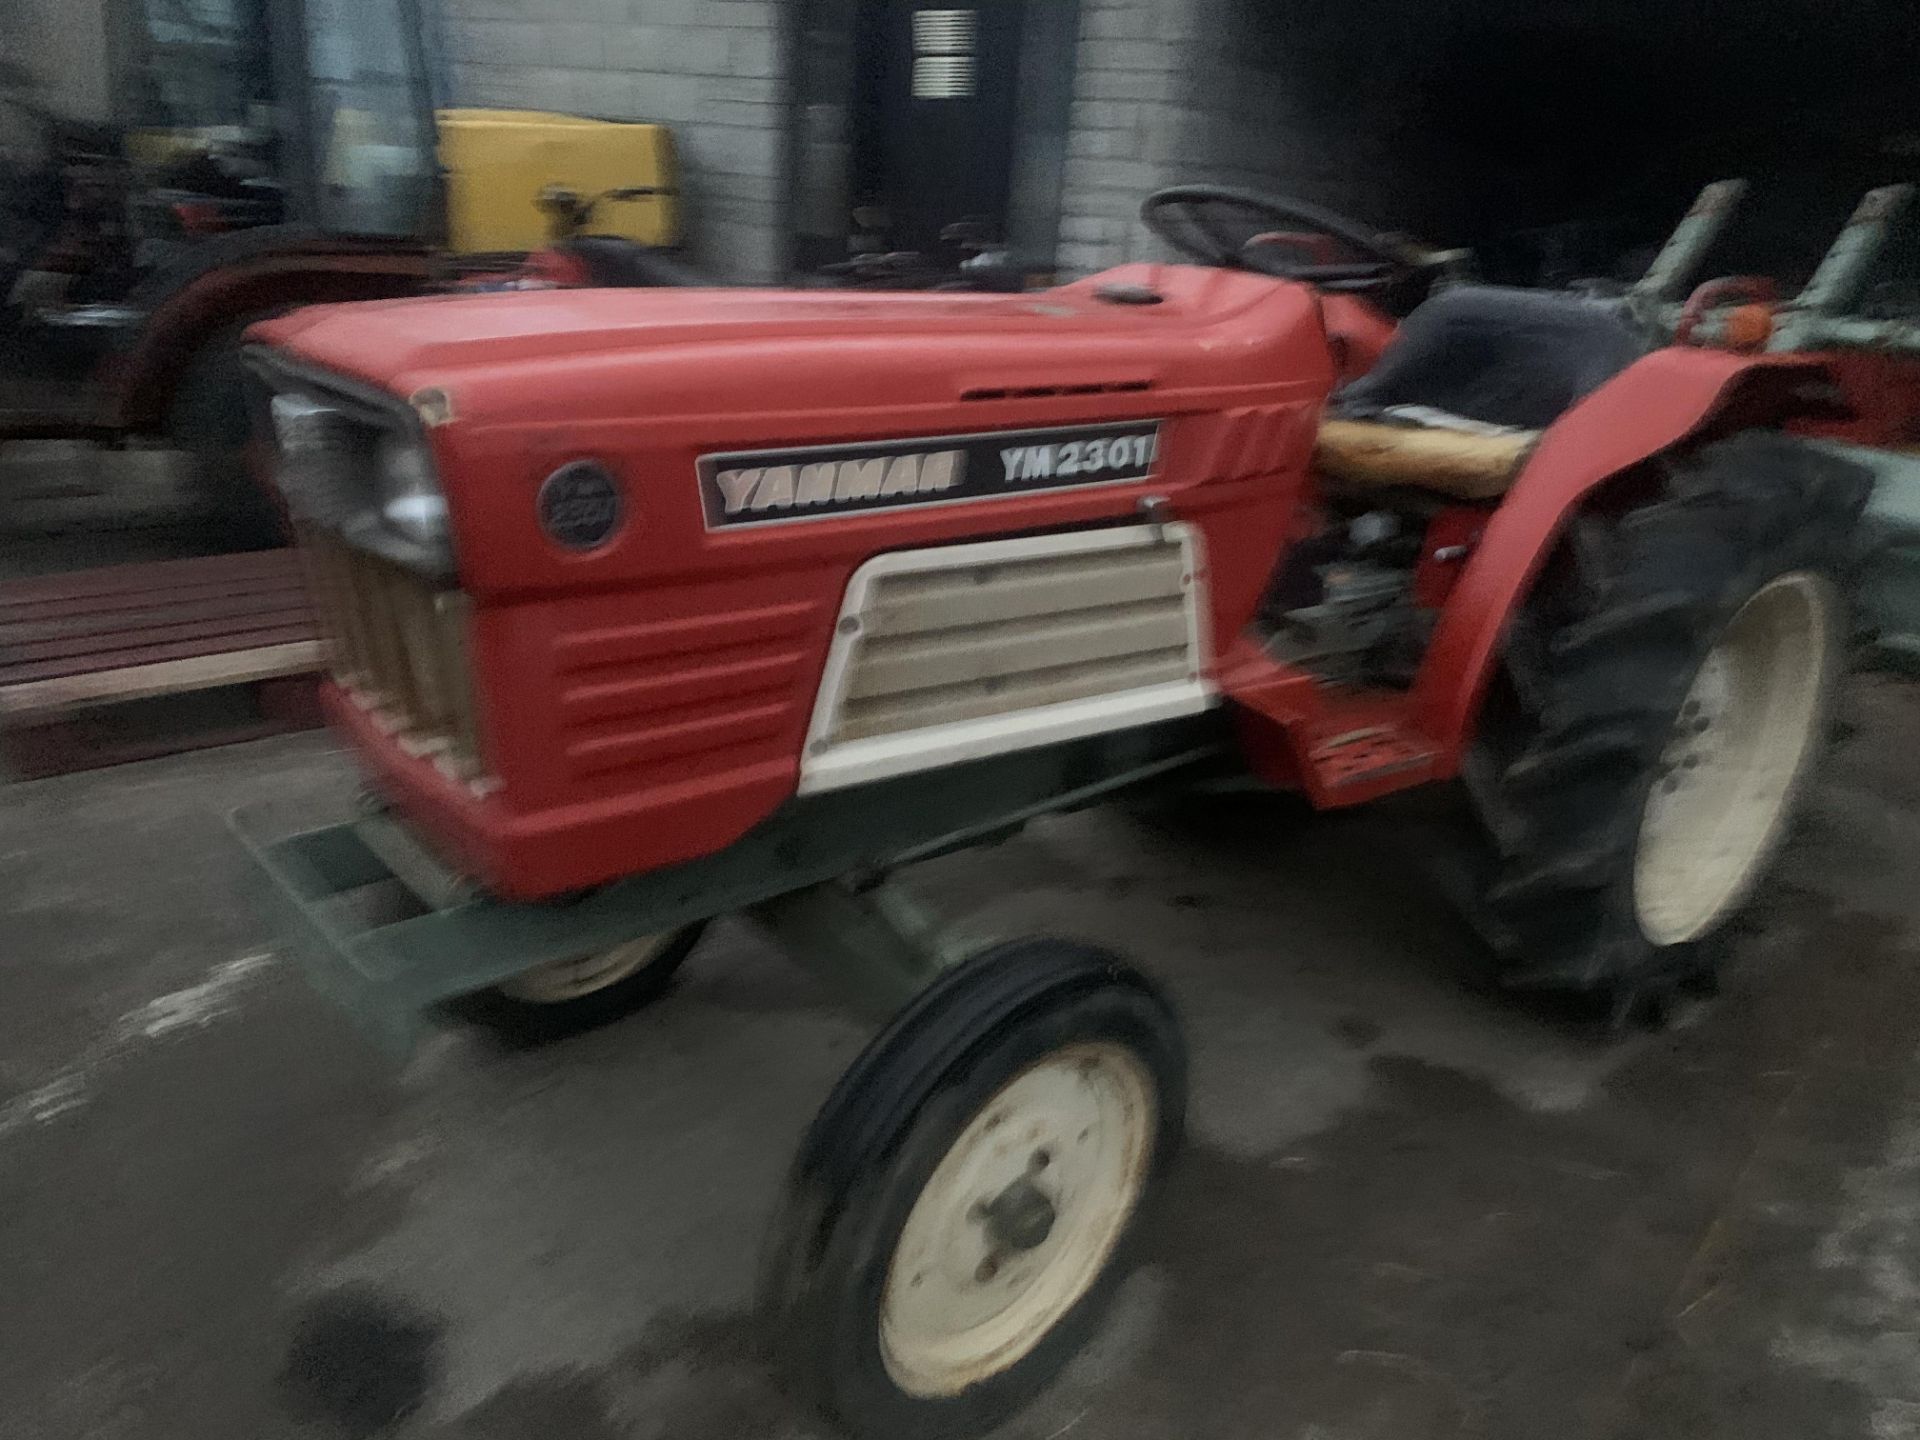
(1661, 700)
(586, 991)
(964, 1204)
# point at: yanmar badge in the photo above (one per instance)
(760, 486)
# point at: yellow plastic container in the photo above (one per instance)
(498, 162)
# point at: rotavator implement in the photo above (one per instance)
(652, 605)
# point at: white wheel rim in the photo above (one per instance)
(1735, 760)
(961, 1303)
(563, 980)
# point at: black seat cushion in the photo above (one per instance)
(1497, 355)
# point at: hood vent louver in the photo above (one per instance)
(1037, 392)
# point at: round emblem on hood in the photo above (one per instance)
(580, 505)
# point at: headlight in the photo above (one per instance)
(300, 426)
(410, 500)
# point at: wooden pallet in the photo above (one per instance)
(87, 657)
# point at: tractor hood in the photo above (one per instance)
(548, 355)
(678, 421)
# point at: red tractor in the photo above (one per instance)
(654, 605)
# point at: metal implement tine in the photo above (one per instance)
(1806, 321)
(1859, 243)
(1666, 278)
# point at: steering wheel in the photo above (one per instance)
(1274, 235)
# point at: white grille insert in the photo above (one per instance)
(950, 654)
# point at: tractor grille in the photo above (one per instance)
(398, 647)
(970, 649)
(980, 640)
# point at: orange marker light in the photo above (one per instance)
(1747, 327)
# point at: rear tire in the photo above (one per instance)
(1660, 702)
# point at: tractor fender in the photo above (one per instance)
(238, 278)
(1660, 401)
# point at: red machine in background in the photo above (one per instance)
(669, 604)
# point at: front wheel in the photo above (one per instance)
(1661, 701)
(584, 991)
(962, 1207)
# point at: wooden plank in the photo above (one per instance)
(41, 699)
(16, 606)
(157, 575)
(83, 607)
(151, 574)
(120, 659)
(164, 641)
(43, 639)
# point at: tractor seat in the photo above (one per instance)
(1459, 397)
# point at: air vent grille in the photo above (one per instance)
(943, 54)
(1036, 392)
(399, 649)
(943, 32)
(996, 645)
(943, 77)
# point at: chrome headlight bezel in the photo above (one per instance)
(356, 460)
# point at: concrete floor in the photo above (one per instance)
(1409, 1208)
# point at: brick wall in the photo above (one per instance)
(1308, 99)
(64, 46)
(708, 68)
(1322, 100)
(1130, 74)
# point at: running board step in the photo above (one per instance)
(1370, 754)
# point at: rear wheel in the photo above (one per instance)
(1750, 723)
(961, 1208)
(1660, 703)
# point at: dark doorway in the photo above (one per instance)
(910, 117)
(934, 119)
